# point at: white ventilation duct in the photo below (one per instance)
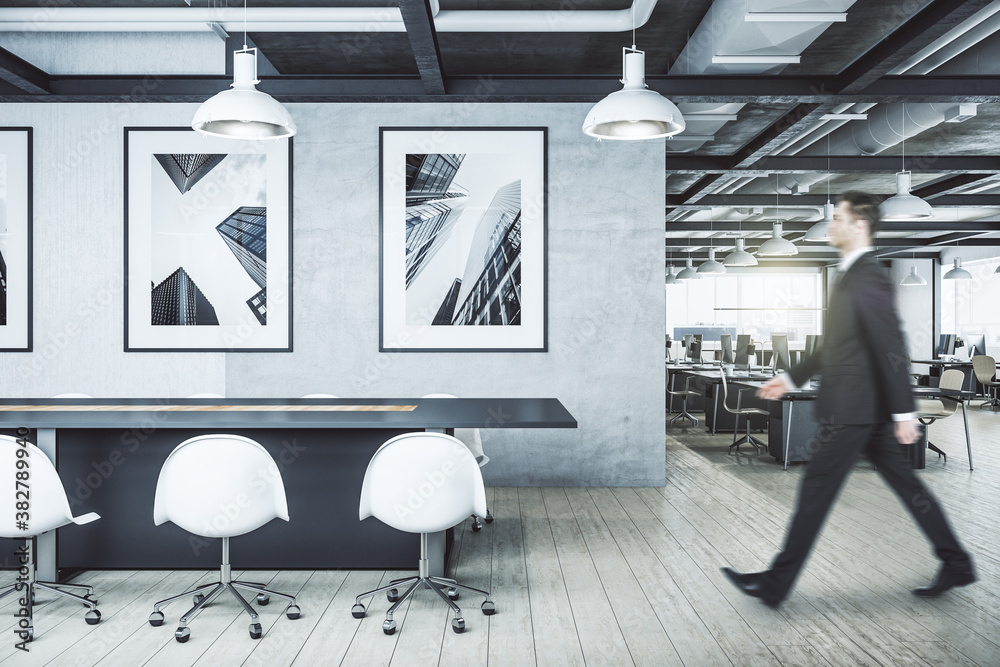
(976, 28)
(982, 58)
(314, 19)
(882, 130)
(726, 31)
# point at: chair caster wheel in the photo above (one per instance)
(293, 611)
(156, 619)
(256, 631)
(30, 632)
(358, 611)
(458, 625)
(392, 595)
(476, 526)
(198, 598)
(489, 518)
(90, 597)
(489, 608)
(262, 599)
(389, 627)
(453, 594)
(93, 617)
(182, 634)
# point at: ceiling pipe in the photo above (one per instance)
(979, 59)
(976, 28)
(314, 19)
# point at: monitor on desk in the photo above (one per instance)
(813, 341)
(742, 354)
(726, 342)
(946, 345)
(780, 360)
(975, 344)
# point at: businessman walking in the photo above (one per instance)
(864, 406)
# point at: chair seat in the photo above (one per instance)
(749, 411)
(931, 407)
(683, 393)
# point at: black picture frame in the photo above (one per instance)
(155, 319)
(16, 258)
(475, 279)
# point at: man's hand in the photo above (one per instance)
(773, 389)
(907, 431)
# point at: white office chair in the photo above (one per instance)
(474, 441)
(35, 483)
(197, 488)
(741, 411)
(422, 483)
(930, 410)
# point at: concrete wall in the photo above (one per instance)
(605, 295)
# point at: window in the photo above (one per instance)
(969, 307)
(755, 303)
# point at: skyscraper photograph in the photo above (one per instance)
(463, 239)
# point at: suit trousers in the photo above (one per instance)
(825, 476)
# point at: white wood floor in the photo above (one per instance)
(610, 576)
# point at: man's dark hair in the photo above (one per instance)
(864, 206)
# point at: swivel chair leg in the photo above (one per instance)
(931, 446)
(746, 439)
(684, 414)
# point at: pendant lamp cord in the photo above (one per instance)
(244, 25)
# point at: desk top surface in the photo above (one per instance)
(286, 413)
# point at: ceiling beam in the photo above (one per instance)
(801, 164)
(790, 125)
(419, 22)
(954, 184)
(930, 23)
(815, 201)
(22, 74)
(777, 90)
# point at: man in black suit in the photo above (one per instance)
(864, 405)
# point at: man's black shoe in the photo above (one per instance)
(752, 586)
(946, 578)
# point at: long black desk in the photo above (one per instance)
(109, 452)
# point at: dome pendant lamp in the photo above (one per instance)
(634, 113)
(243, 112)
(913, 279)
(740, 257)
(688, 272)
(957, 273)
(903, 205)
(776, 246)
(711, 267)
(671, 278)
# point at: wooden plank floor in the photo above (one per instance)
(610, 576)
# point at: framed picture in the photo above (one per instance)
(15, 239)
(208, 243)
(463, 239)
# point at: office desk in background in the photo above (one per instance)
(109, 452)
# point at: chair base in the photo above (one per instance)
(748, 440)
(206, 593)
(447, 590)
(477, 525)
(931, 446)
(993, 403)
(684, 414)
(29, 592)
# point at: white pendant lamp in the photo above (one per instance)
(711, 267)
(913, 279)
(777, 246)
(820, 232)
(243, 112)
(688, 272)
(957, 273)
(634, 113)
(998, 270)
(903, 205)
(671, 278)
(740, 257)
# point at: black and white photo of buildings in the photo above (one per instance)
(463, 239)
(208, 263)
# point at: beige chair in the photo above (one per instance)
(684, 414)
(932, 409)
(985, 368)
(738, 411)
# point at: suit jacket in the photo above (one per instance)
(863, 366)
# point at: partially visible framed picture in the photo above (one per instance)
(208, 243)
(463, 239)
(15, 239)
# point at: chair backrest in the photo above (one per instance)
(470, 436)
(951, 379)
(985, 367)
(726, 343)
(725, 389)
(219, 485)
(422, 483)
(49, 507)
